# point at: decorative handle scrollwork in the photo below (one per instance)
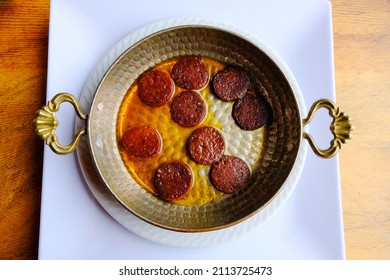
(46, 123)
(340, 127)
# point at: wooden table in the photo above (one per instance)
(362, 67)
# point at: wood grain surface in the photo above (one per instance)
(362, 68)
(23, 63)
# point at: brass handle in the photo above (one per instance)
(46, 123)
(340, 127)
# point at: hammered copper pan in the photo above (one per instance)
(271, 153)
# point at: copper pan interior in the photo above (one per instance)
(280, 145)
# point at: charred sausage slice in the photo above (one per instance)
(190, 72)
(250, 112)
(231, 83)
(155, 88)
(188, 109)
(142, 142)
(229, 174)
(206, 145)
(173, 180)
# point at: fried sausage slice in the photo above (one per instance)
(206, 145)
(188, 109)
(250, 112)
(142, 142)
(190, 72)
(231, 83)
(229, 174)
(155, 88)
(173, 180)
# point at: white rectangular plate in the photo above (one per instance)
(75, 226)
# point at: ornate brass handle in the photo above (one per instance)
(341, 128)
(46, 123)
